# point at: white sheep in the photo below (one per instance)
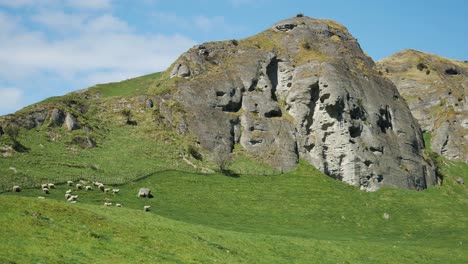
(84, 182)
(118, 205)
(51, 186)
(68, 191)
(96, 183)
(45, 190)
(70, 183)
(88, 188)
(67, 196)
(106, 190)
(40, 197)
(72, 198)
(101, 187)
(107, 204)
(146, 208)
(115, 190)
(16, 188)
(73, 202)
(45, 185)
(79, 186)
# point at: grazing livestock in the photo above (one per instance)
(97, 183)
(51, 186)
(67, 196)
(45, 185)
(101, 187)
(118, 205)
(107, 204)
(40, 197)
(72, 198)
(88, 188)
(68, 191)
(146, 208)
(46, 190)
(115, 190)
(106, 190)
(16, 188)
(70, 183)
(79, 186)
(84, 182)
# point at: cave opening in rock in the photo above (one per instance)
(451, 71)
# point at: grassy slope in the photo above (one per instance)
(298, 217)
(135, 86)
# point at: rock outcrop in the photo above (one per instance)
(71, 123)
(436, 91)
(302, 89)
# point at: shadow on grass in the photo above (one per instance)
(230, 173)
(17, 146)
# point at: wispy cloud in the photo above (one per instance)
(78, 49)
(10, 98)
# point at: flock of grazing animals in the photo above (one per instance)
(83, 185)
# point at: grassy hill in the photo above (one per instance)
(299, 217)
(253, 215)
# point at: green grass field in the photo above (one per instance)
(255, 215)
(299, 217)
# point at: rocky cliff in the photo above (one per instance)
(302, 89)
(436, 91)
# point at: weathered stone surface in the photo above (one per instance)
(144, 192)
(435, 89)
(180, 70)
(311, 93)
(149, 103)
(71, 123)
(57, 117)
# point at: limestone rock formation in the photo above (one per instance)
(71, 123)
(436, 91)
(57, 117)
(302, 89)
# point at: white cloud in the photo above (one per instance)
(104, 43)
(65, 49)
(59, 20)
(10, 98)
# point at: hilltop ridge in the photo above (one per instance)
(302, 89)
(436, 91)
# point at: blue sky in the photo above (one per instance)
(52, 47)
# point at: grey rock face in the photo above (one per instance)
(71, 123)
(144, 192)
(180, 70)
(436, 91)
(321, 102)
(57, 117)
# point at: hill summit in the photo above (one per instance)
(435, 89)
(302, 89)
